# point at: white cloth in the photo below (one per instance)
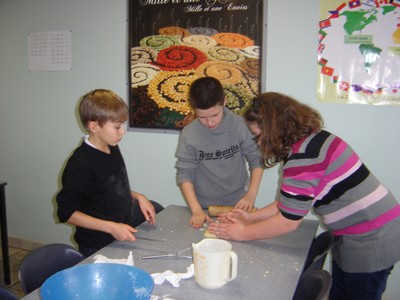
(154, 297)
(159, 278)
(125, 261)
(171, 277)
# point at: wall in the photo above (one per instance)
(38, 125)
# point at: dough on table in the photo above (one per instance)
(208, 234)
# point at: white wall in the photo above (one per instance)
(39, 129)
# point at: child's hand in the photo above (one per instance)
(122, 232)
(232, 230)
(244, 204)
(247, 202)
(197, 220)
(149, 212)
(147, 208)
(242, 215)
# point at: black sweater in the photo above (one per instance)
(95, 183)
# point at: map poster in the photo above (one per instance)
(359, 52)
(174, 42)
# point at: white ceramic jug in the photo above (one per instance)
(214, 263)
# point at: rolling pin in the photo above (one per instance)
(215, 210)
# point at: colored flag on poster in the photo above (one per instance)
(378, 3)
(321, 35)
(335, 79)
(324, 23)
(368, 92)
(343, 5)
(370, 3)
(327, 70)
(344, 86)
(354, 4)
(356, 88)
(321, 48)
(322, 61)
(334, 14)
(395, 3)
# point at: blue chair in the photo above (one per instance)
(42, 262)
(319, 249)
(314, 285)
(6, 294)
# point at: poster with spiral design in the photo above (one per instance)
(174, 42)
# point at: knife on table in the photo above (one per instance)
(150, 239)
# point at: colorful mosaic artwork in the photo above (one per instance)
(163, 66)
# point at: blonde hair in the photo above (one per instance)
(101, 106)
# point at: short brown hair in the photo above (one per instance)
(101, 106)
(206, 92)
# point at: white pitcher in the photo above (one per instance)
(214, 263)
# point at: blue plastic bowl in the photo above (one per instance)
(98, 281)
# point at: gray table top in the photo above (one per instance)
(267, 269)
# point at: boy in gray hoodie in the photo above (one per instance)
(212, 154)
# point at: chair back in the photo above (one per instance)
(42, 262)
(314, 285)
(319, 249)
(6, 294)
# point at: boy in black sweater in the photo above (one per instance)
(95, 195)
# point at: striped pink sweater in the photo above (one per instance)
(324, 173)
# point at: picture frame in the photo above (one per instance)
(173, 42)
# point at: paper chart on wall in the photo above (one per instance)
(49, 51)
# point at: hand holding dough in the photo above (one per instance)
(216, 210)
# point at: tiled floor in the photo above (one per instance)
(16, 255)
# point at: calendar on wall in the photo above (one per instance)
(49, 51)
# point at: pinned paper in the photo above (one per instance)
(49, 51)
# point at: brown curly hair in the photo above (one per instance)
(283, 121)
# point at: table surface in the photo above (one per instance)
(267, 269)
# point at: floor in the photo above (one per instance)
(16, 256)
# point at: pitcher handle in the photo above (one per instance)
(234, 265)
